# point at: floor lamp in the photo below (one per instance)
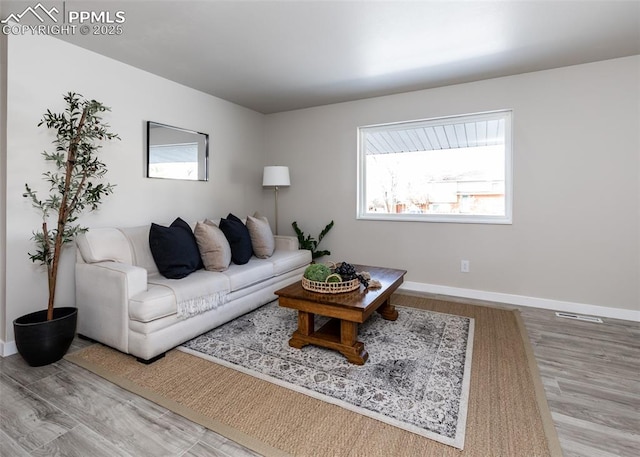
(276, 177)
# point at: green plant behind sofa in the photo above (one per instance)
(310, 243)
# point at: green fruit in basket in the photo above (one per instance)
(334, 278)
(317, 272)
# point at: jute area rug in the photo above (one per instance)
(507, 410)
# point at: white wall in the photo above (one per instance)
(575, 236)
(40, 70)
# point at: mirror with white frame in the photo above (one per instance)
(176, 153)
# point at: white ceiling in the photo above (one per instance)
(274, 56)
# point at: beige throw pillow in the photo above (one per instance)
(261, 236)
(213, 245)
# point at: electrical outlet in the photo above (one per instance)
(464, 266)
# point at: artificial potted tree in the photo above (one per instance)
(44, 337)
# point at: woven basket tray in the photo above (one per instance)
(330, 287)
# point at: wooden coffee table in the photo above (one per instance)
(347, 310)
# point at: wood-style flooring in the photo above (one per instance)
(591, 375)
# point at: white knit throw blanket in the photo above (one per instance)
(199, 292)
(198, 305)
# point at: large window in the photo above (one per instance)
(451, 169)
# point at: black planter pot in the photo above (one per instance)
(41, 342)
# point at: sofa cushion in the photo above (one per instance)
(154, 303)
(174, 249)
(252, 272)
(199, 292)
(239, 239)
(261, 236)
(213, 245)
(104, 244)
(138, 238)
(285, 261)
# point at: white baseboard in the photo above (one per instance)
(522, 300)
(8, 348)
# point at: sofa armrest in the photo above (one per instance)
(286, 243)
(103, 291)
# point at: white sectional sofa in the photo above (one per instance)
(125, 303)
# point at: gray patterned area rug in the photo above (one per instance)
(416, 378)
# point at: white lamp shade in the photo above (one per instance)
(276, 177)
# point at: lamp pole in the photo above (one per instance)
(276, 191)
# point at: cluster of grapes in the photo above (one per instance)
(348, 272)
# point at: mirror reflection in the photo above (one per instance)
(175, 153)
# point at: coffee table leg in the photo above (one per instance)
(305, 328)
(352, 349)
(388, 311)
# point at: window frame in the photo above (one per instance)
(361, 202)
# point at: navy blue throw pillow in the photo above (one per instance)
(174, 249)
(237, 235)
